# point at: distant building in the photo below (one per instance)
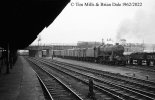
(138, 47)
(133, 47)
(123, 41)
(62, 47)
(82, 44)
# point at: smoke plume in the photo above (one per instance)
(142, 26)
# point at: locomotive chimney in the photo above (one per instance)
(117, 44)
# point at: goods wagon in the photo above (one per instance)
(150, 59)
(65, 53)
(82, 54)
(71, 53)
(76, 54)
(57, 53)
(62, 53)
(142, 58)
(90, 54)
(44, 53)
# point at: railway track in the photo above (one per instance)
(145, 85)
(106, 73)
(101, 94)
(56, 89)
(133, 94)
(143, 68)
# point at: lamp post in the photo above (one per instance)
(39, 39)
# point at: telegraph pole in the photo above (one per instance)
(7, 56)
(38, 44)
(102, 41)
(143, 45)
(39, 39)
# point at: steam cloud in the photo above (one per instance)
(142, 26)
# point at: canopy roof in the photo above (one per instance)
(23, 20)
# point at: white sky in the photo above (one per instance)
(92, 23)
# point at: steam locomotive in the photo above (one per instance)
(106, 54)
(111, 54)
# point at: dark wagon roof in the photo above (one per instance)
(22, 20)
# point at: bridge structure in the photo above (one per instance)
(46, 50)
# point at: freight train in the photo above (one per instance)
(106, 54)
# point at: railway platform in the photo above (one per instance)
(21, 84)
